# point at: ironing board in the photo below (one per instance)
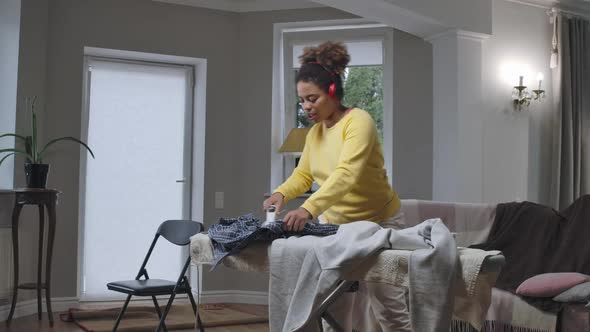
(479, 270)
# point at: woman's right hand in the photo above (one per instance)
(276, 199)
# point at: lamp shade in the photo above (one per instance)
(295, 141)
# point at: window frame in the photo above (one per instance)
(197, 130)
(286, 35)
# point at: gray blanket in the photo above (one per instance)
(303, 271)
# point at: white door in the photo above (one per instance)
(139, 117)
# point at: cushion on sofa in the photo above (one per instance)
(550, 284)
(578, 293)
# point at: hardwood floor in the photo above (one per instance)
(31, 324)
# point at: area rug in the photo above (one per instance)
(145, 318)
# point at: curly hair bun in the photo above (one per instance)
(332, 55)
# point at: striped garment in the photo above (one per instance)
(230, 235)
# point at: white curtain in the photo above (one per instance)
(136, 122)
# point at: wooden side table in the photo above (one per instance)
(43, 198)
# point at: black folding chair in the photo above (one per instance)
(177, 232)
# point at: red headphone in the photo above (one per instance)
(332, 88)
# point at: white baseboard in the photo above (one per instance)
(29, 307)
(234, 296)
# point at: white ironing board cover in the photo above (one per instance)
(472, 291)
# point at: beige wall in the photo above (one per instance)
(238, 48)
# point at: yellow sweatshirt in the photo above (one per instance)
(346, 161)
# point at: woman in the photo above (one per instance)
(343, 155)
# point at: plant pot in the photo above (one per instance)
(36, 175)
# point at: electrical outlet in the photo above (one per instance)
(219, 199)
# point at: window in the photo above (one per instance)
(126, 94)
(366, 79)
(363, 88)
(128, 102)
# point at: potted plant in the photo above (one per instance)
(35, 170)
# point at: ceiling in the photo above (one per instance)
(246, 5)
(579, 6)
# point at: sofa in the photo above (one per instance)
(507, 312)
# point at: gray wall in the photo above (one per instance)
(139, 26)
(32, 69)
(412, 117)
(254, 115)
(239, 52)
(13, 38)
(144, 26)
(516, 145)
(9, 41)
(452, 12)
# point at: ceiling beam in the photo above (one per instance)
(423, 18)
(242, 6)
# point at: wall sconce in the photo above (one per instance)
(521, 96)
(539, 94)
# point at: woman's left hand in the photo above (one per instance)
(295, 220)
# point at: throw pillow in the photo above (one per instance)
(578, 293)
(550, 284)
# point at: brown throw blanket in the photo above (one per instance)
(536, 239)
